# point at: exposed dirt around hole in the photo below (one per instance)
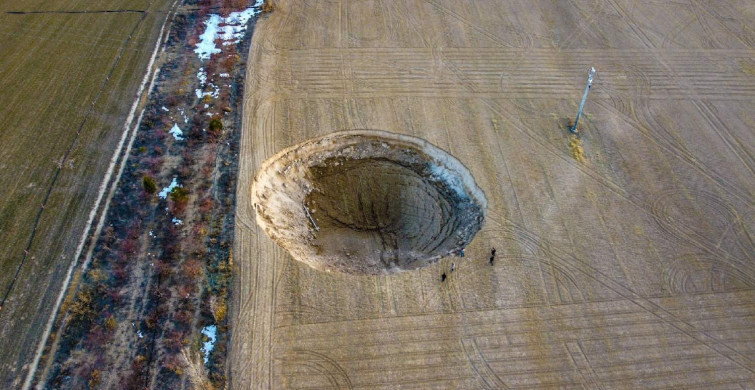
(367, 202)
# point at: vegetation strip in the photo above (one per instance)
(154, 298)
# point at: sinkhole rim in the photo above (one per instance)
(285, 182)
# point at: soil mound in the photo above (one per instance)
(367, 202)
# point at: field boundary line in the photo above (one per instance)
(108, 179)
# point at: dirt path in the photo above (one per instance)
(632, 268)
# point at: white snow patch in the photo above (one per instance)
(450, 178)
(140, 334)
(151, 234)
(226, 75)
(211, 331)
(176, 131)
(183, 114)
(164, 193)
(214, 93)
(202, 76)
(232, 30)
(177, 221)
(165, 109)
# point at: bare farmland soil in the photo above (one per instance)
(619, 259)
(69, 75)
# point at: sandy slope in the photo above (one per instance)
(632, 269)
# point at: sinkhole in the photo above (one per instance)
(367, 202)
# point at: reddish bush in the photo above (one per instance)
(114, 295)
(120, 273)
(96, 338)
(163, 268)
(183, 317)
(134, 229)
(153, 164)
(174, 340)
(228, 62)
(179, 199)
(173, 364)
(128, 245)
(135, 379)
(205, 205)
(185, 291)
(191, 270)
(159, 134)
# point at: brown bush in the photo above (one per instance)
(179, 197)
(192, 269)
(173, 364)
(175, 340)
(186, 291)
(205, 205)
(216, 126)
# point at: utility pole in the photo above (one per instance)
(573, 129)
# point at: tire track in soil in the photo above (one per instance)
(571, 262)
(674, 149)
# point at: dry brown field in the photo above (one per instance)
(69, 72)
(629, 266)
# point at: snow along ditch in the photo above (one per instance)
(229, 30)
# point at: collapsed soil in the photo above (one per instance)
(369, 205)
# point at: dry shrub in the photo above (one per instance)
(94, 379)
(111, 323)
(192, 269)
(268, 6)
(81, 307)
(219, 309)
(180, 198)
(194, 369)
